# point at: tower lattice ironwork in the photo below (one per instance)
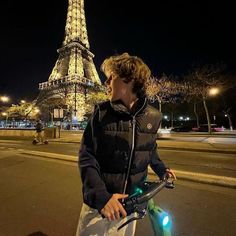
(74, 70)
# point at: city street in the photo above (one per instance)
(44, 195)
(48, 195)
(223, 164)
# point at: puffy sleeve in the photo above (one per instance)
(156, 163)
(94, 190)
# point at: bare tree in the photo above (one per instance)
(164, 89)
(201, 82)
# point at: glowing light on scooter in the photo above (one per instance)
(138, 191)
(165, 221)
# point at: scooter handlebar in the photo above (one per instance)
(150, 189)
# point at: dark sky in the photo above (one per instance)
(170, 36)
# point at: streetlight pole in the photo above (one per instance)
(6, 115)
(213, 91)
(5, 99)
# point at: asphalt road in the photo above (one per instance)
(44, 195)
(203, 162)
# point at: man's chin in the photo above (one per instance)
(112, 98)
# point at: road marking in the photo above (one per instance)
(50, 155)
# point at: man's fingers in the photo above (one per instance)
(122, 210)
(120, 196)
(114, 209)
(171, 173)
(117, 214)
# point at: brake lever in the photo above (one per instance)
(138, 204)
(140, 216)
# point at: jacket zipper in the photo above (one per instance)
(132, 147)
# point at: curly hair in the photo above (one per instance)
(129, 68)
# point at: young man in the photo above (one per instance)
(118, 144)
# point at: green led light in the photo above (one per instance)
(138, 191)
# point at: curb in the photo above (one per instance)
(217, 180)
(222, 181)
(170, 148)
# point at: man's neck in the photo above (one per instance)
(130, 102)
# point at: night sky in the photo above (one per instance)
(170, 36)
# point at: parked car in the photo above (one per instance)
(204, 128)
(182, 128)
(82, 125)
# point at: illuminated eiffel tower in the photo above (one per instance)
(74, 71)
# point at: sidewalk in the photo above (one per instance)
(197, 146)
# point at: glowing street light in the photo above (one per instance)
(4, 114)
(214, 91)
(36, 110)
(22, 101)
(4, 99)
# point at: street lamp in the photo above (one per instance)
(22, 101)
(36, 110)
(4, 99)
(213, 91)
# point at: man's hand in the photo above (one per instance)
(171, 173)
(114, 208)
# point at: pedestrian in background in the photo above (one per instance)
(39, 131)
(118, 144)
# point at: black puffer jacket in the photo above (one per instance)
(116, 149)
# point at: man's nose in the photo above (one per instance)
(107, 82)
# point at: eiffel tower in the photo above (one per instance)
(74, 70)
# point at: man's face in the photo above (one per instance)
(117, 88)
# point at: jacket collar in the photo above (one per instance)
(119, 107)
